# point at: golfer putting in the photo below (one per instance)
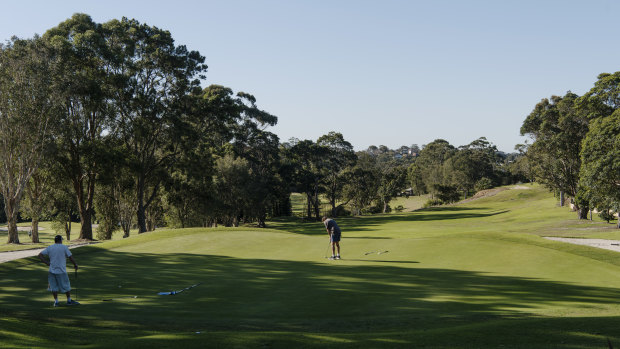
(57, 276)
(334, 236)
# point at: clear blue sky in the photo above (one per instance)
(380, 72)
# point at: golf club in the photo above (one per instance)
(172, 293)
(327, 251)
(118, 298)
(75, 293)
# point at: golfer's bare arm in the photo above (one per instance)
(73, 261)
(43, 259)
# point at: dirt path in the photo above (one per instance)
(613, 245)
(12, 255)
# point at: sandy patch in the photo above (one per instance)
(613, 245)
(12, 255)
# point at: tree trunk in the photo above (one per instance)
(11, 215)
(68, 228)
(141, 209)
(309, 200)
(35, 230)
(582, 212)
(561, 198)
(84, 201)
(317, 212)
(385, 205)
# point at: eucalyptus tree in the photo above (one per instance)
(600, 169)
(557, 128)
(600, 172)
(38, 196)
(431, 163)
(232, 183)
(414, 176)
(392, 180)
(339, 155)
(84, 74)
(155, 78)
(471, 163)
(28, 110)
(309, 160)
(362, 184)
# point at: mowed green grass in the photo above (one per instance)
(477, 275)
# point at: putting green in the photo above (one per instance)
(474, 275)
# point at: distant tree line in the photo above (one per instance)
(109, 123)
(576, 146)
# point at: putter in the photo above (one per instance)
(119, 298)
(76, 285)
(327, 251)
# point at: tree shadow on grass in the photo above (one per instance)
(370, 223)
(243, 295)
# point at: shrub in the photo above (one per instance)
(447, 193)
(433, 202)
(606, 215)
(483, 184)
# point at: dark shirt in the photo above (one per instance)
(331, 226)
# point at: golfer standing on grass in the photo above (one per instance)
(57, 276)
(334, 236)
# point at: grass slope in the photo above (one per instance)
(476, 275)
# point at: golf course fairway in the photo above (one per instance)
(474, 275)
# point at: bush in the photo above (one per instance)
(606, 215)
(399, 208)
(433, 202)
(483, 184)
(375, 209)
(342, 211)
(447, 193)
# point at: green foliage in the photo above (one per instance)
(362, 184)
(447, 193)
(483, 183)
(606, 215)
(29, 112)
(557, 127)
(432, 203)
(600, 173)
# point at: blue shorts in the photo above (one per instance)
(58, 283)
(334, 237)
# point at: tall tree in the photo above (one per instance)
(309, 161)
(471, 163)
(557, 128)
(600, 174)
(84, 73)
(157, 76)
(27, 111)
(362, 183)
(600, 170)
(338, 155)
(392, 180)
(431, 163)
